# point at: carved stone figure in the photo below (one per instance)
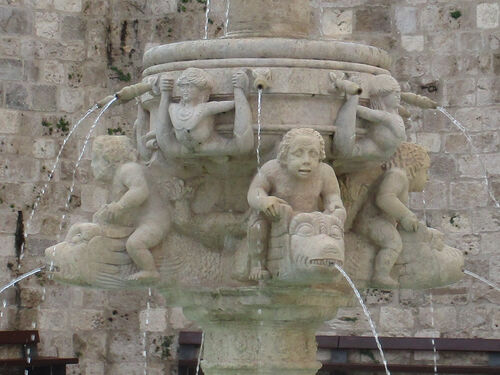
(187, 127)
(132, 203)
(296, 181)
(385, 127)
(380, 216)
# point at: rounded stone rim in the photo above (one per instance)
(332, 50)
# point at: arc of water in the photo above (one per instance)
(259, 126)
(200, 353)
(433, 342)
(474, 151)
(77, 164)
(20, 278)
(226, 24)
(480, 278)
(144, 352)
(49, 178)
(207, 12)
(368, 316)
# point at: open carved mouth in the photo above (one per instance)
(304, 171)
(325, 262)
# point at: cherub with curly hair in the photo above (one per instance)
(132, 203)
(387, 210)
(297, 180)
(188, 127)
(385, 127)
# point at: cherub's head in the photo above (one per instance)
(415, 161)
(195, 85)
(300, 151)
(385, 92)
(108, 152)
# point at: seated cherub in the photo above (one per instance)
(385, 127)
(381, 216)
(132, 204)
(297, 180)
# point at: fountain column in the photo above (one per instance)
(268, 18)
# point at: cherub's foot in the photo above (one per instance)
(258, 273)
(384, 281)
(145, 277)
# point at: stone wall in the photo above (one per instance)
(58, 57)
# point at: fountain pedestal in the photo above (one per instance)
(260, 330)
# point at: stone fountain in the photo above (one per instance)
(241, 223)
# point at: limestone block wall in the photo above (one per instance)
(58, 57)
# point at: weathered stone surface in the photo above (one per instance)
(413, 43)
(336, 22)
(376, 19)
(406, 20)
(488, 15)
(15, 21)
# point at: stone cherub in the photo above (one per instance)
(297, 182)
(187, 127)
(132, 203)
(385, 127)
(380, 217)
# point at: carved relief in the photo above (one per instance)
(296, 182)
(386, 208)
(385, 128)
(187, 128)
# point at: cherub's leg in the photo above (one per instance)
(386, 236)
(138, 245)
(258, 236)
(345, 133)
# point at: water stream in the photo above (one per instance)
(368, 316)
(207, 12)
(200, 352)
(480, 278)
(20, 278)
(80, 157)
(474, 152)
(259, 126)
(49, 178)
(144, 352)
(433, 342)
(226, 24)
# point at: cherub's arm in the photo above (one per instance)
(141, 128)
(213, 108)
(375, 115)
(258, 193)
(394, 183)
(132, 176)
(243, 140)
(345, 123)
(164, 130)
(331, 193)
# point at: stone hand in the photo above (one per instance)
(240, 80)
(166, 84)
(111, 212)
(259, 273)
(409, 223)
(271, 206)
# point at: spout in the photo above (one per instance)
(101, 103)
(126, 94)
(418, 100)
(262, 79)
